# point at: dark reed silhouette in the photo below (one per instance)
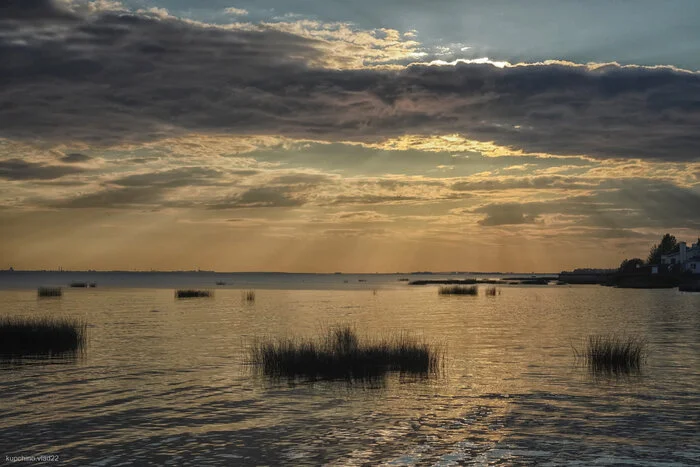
(22, 336)
(340, 354)
(79, 284)
(248, 295)
(492, 291)
(49, 292)
(611, 353)
(191, 293)
(458, 290)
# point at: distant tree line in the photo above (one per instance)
(667, 245)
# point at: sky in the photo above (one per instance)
(322, 136)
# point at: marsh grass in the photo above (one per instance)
(248, 295)
(458, 290)
(21, 336)
(341, 354)
(612, 353)
(191, 293)
(49, 292)
(492, 291)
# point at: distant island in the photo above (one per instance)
(670, 264)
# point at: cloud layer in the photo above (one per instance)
(118, 77)
(297, 144)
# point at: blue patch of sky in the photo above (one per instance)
(644, 32)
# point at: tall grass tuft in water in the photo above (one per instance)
(492, 291)
(190, 293)
(21, 336)
(458, 290)
(611, 353)
(49, 292)
(340, 354)
(248, 295)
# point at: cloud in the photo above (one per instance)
(524, 183)
(75, 158)
(627, 204)
(32, 10)
(366, 232)
(180, 177)
(114, 198)
(17, 169)
(506, 214)
(236, 11)
(359, 216)
(373, 199)
(113, 78)
(306, 179)
(260, 197)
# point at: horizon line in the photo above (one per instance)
(10, 270)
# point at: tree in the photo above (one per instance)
(631, 265)
(667, 245)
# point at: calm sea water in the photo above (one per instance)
(172, 387)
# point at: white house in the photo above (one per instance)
(688, 258)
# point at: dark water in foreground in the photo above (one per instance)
(172, 387)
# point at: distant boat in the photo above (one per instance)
(220, 283)
(79, 284)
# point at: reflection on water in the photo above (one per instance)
(175, 386)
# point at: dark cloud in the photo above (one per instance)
(373, 199)
(506, 214)
(185, 176)
(359, 214)
(33, 10)
(146, 189)
(627, 204)
(118, 198)
(263, 197)
(122, 77)
(17, 169)
(75, 158)
(305, 179)
(540, 182)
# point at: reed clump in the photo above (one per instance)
(341, 354)
(22, 336)
(613, 353)
(458, 290)
(248, 295)
(492, 291)
(191, 293)
(49, 292)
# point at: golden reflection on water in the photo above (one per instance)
(176, 382)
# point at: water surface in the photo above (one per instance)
(173, 386)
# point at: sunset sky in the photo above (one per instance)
(355, 136)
